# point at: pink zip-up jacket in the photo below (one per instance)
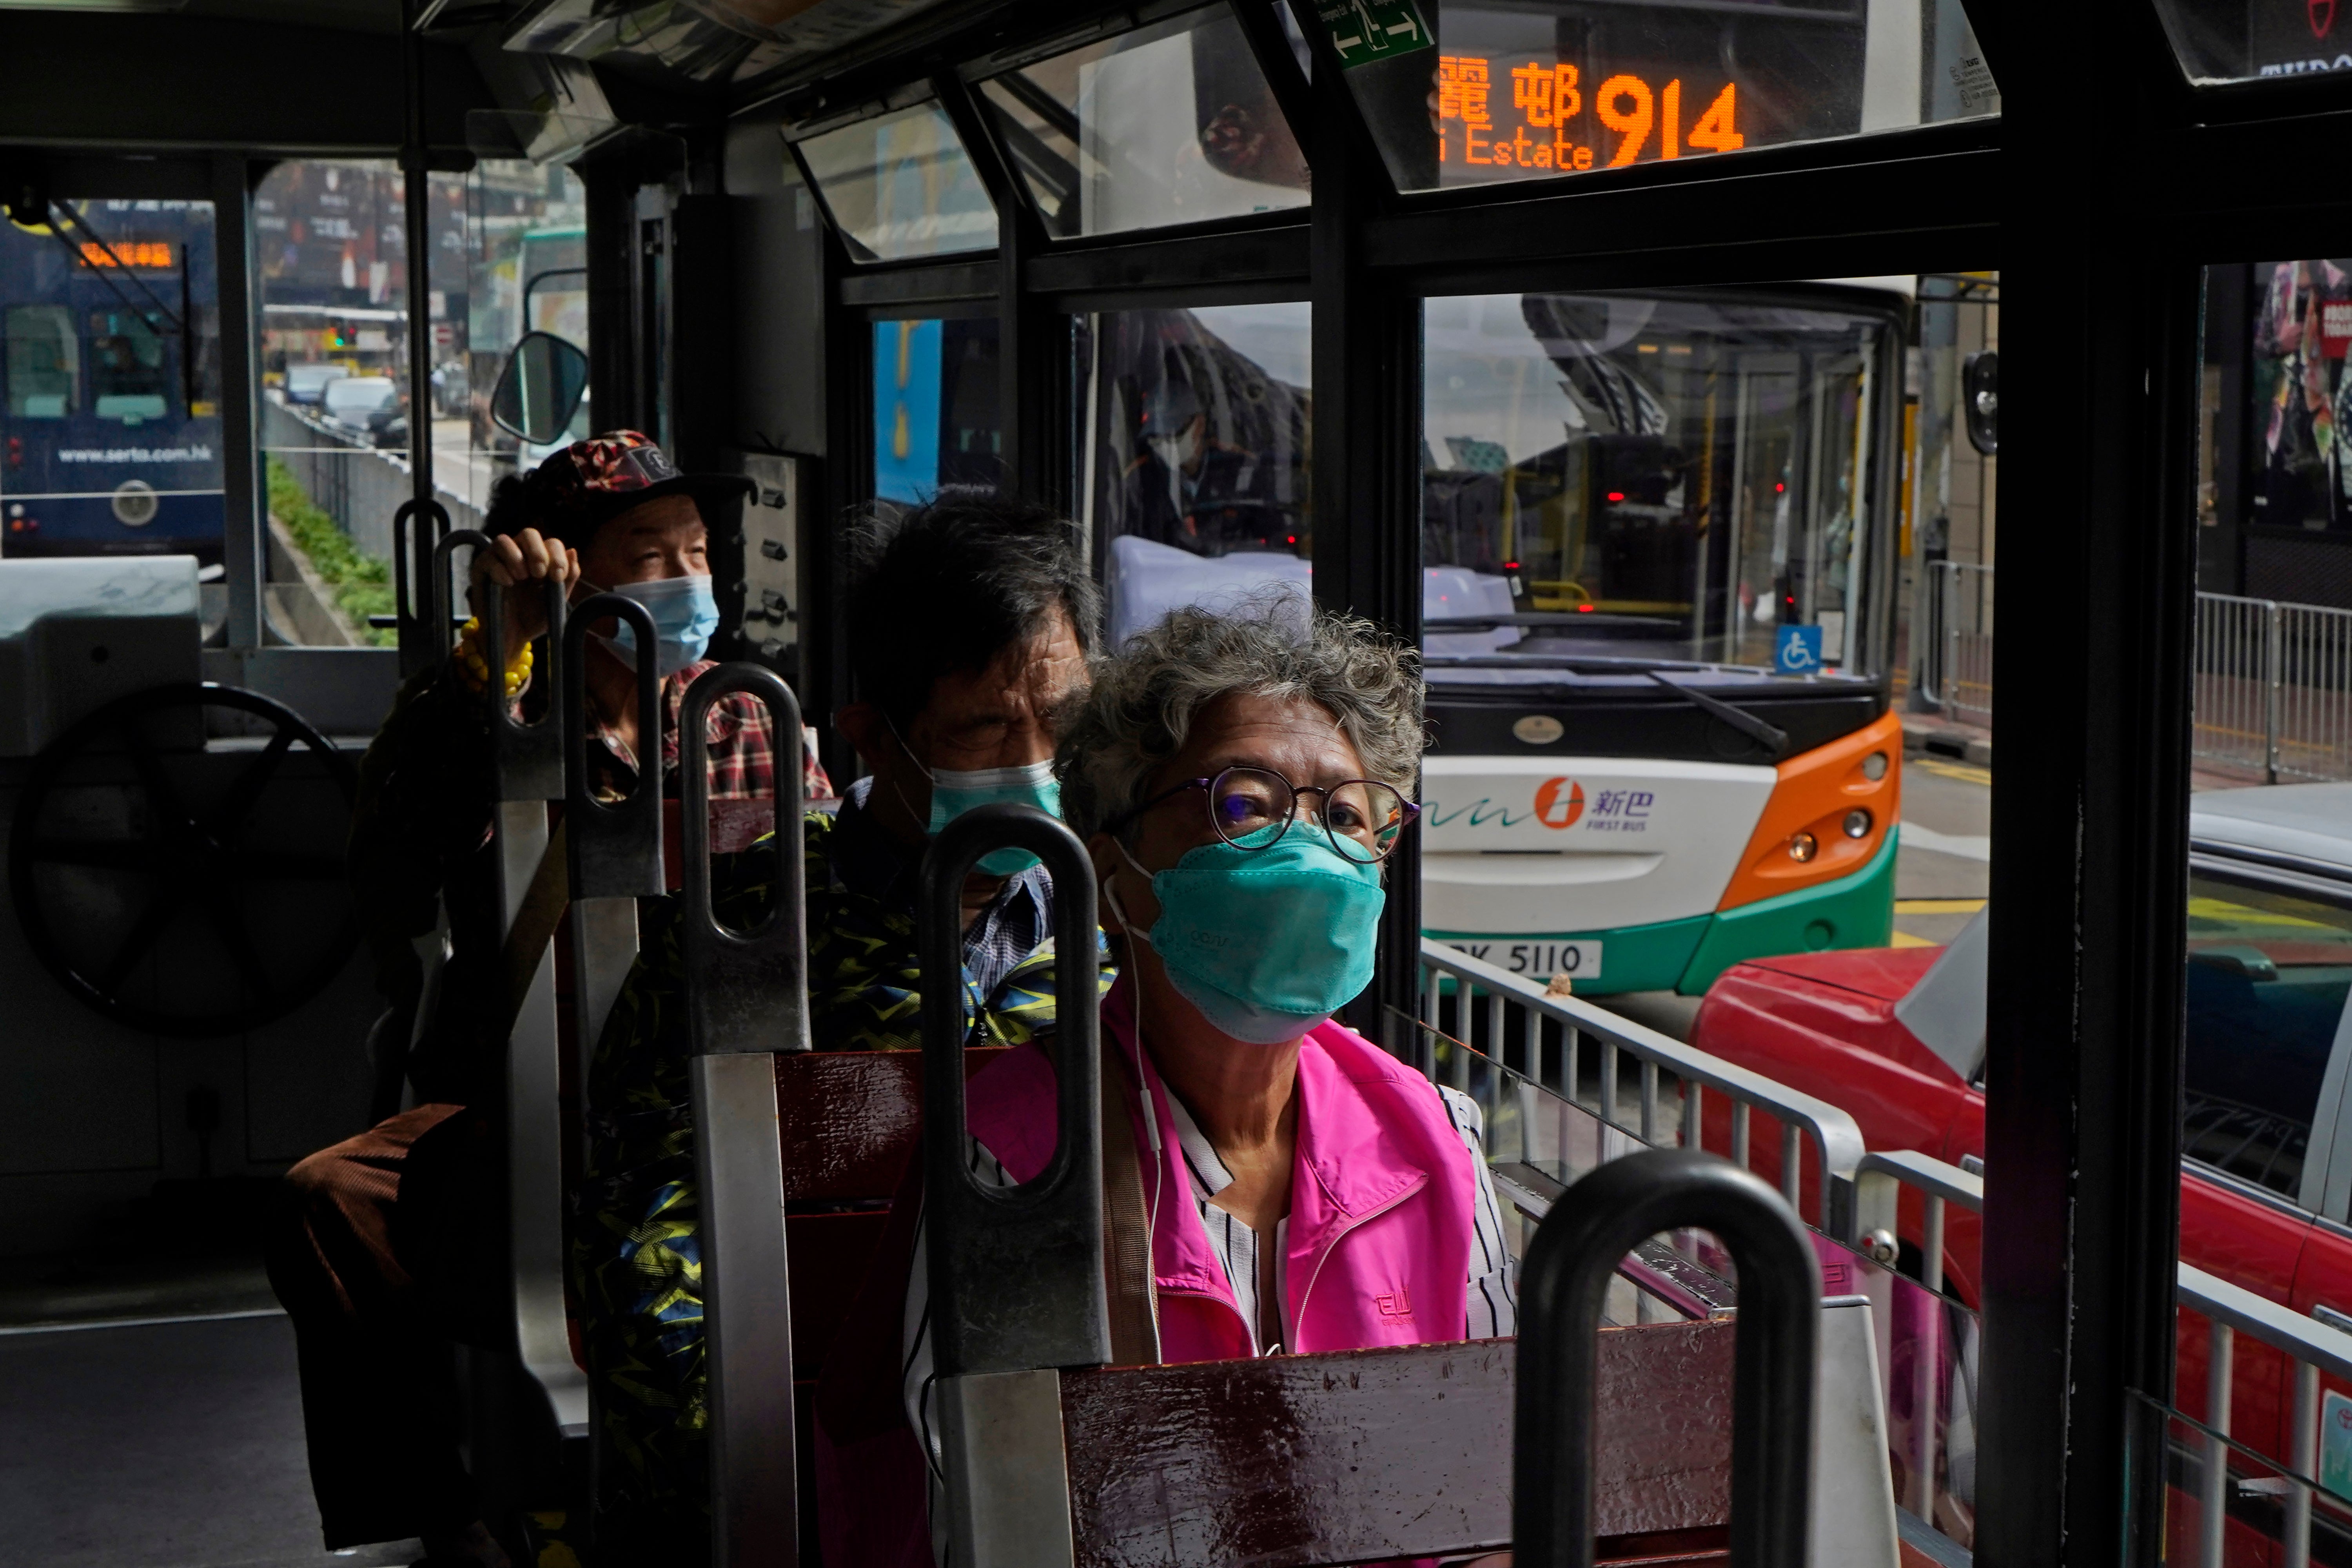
(1382, 1197)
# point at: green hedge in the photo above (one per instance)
(361, 584)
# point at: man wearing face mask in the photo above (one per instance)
(970, 625)
(370, 1255)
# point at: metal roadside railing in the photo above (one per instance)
(1554, 1033)
(2274, 678)
(1957, 673)
(2313, 1348)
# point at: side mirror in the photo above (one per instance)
(541, 387)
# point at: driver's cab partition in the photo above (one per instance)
(1050, 1456)
(515, 1410)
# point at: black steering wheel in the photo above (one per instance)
(178, 869)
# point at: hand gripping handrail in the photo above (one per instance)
(747, 998)
(528, 758)
(1045, 1234)
(1562, 1286)
(615, 850)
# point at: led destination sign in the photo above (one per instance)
(1551, 120)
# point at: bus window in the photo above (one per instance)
(128, 377)
(901, 184)
(935, 427)
(1192, 462)
(1681, 478)
(1169, 123)
(44, 362)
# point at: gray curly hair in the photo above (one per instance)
(1145, 698)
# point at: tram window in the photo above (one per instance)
(44, 362)
(902, 186)
(1692, 475)
(936, 430)
(1194, 458)
(1470, 94)
(1169, 123)
(127, 376)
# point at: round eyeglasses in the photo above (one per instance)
(1362, 818)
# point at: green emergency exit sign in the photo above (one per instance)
(1364, 31)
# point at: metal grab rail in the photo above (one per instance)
(528, 758)
(2229, 1310)
(616, 850)
(420, 646)
(747, 998)
(1049, 1232)
(1563, 1285)
(1834, 1134)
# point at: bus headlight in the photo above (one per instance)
(1857, 824)
(1803, 847)
(135, 503)
(1874, 766)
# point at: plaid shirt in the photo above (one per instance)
(742, 737)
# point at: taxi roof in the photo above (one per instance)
(2310, 822)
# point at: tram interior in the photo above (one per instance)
(697, 702)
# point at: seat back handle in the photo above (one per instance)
(615, 850)
(529, 758)
(1562, 1285)
(1016, 1275)
(747, 991)
(414, 551)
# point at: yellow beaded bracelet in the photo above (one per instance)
(477, 669)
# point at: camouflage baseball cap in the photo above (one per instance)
(587, 484)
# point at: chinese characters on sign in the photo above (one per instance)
(1622, 810)
(1548, 101)
(127, 253)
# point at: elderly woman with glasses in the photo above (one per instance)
(1241, 783)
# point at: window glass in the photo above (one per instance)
(2230, 40)
(902, 186)
(1194, 455)
(936, 430)
(1463, 94)
(110, 376)
(1658, 476)
(332, 246)
(44, 362)
(510, 258)
(2268, 977)
(1170, 123)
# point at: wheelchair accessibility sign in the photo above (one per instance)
(1797, 650)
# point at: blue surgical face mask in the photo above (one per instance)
(1269, 942)
(956, 790)
(685, 614)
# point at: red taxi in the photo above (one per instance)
(1895, 1037)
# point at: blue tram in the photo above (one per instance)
(110, 372)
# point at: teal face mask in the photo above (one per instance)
(1267, 943)
(953, 794)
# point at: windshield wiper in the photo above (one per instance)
(1771, 737)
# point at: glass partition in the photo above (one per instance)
(1472, 94)
(1169, 123)
(109, 382)
(1192, 457)
(935, 429)
(902, 186)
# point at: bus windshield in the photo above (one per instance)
(1652, 477)
(44, 362)
(128, 380)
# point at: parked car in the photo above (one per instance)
(368, 407)
(306, 384)
(1896, 1036)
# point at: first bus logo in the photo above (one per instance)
(1560, 801)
